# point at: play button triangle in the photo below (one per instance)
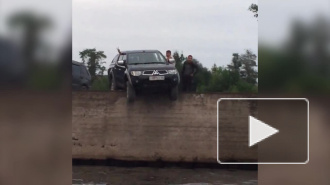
(259, 131)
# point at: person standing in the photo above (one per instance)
(189, 70)
(169, 56)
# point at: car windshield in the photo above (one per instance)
(146, 58)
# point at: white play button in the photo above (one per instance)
(259, 131)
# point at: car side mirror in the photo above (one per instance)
(171, 60)
(121, 62)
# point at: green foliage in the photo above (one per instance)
(293, 69)
(235, 63)
(224, 80)
(254, 9)
(286, 71)
(179, 59)
(101, 83)
(248, 72)
(94, 60)
(44, 77)
(240, 76)
(202, 77)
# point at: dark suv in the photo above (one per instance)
(135, 70)
(81, 79)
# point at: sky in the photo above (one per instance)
(209, 30)
(57, 36)
(276, 18)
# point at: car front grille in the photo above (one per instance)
(162, 72)
(155, 72)
(147, 72)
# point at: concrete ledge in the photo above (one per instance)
(152, 128)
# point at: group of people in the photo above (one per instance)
(189, 70)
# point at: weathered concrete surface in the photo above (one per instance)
(152, 128)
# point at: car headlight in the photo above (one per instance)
(172, 71)
(136, 73)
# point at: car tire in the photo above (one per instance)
(113, 85)
(174, 93)
(130, 92)
(109, 81)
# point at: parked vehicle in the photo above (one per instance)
(135, 70)
(81, 79)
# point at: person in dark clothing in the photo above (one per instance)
(189, 70)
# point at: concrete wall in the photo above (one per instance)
(152, 128)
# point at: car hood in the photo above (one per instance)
(143, 67)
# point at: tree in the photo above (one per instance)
(214, 68)
(244, 65)
(202, 78)
(179, 59)
(31, 27)
(94, 60)
(254, 9)
(239, 76)
(101, 70)
(248, 72)
(291, 67)
(235, 63)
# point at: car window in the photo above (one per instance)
(122, 57)
(75, 70)
(84, 71)
(115, 59)
(148, 57)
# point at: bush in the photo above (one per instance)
(100, 83)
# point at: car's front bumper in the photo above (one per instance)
(143, 81)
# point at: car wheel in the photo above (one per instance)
(130, 92)
(174, 93)
(109, 81)
(113, 85)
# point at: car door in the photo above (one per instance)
(85, 76)
(76, 77)
(112, 65)
(119, 72)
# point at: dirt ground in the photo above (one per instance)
(161, 176)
